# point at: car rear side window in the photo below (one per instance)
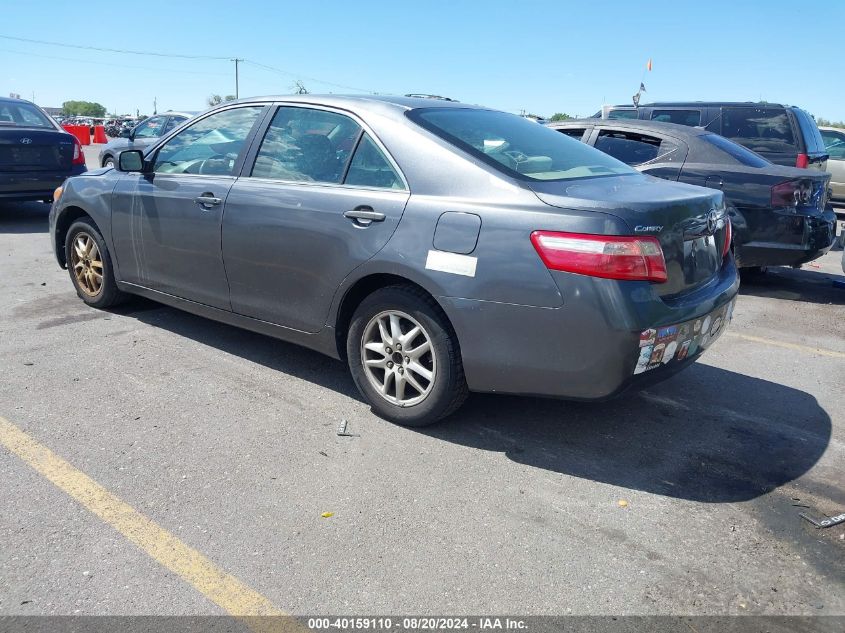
(306, 145)
(515, 146)
(370, 167)
(691, 118)
(759, 129)
(739, 153)
(210, 146)
(810, 132)
(632, 148)
(22, 115)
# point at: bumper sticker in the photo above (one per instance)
(664, 345)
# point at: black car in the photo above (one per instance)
(36, 154)
(780, 215)
(786, 135)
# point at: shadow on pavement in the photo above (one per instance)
(807, 285)
(24, 217)
(706, 434)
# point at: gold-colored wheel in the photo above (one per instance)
(87, 264)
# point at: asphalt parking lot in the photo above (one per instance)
(683, 499)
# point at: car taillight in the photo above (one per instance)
(803, 161)
(607, 256)
(729, 234)
(792, 193)
(78, 156)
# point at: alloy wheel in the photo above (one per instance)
(87, 264)
(398, 358)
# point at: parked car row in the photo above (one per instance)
(780, 215)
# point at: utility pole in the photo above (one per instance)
(237, 61)
(155, 105)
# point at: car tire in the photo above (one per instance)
(432, 381)
(90, 266)
(108, 161)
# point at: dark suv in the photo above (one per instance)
(786, 135)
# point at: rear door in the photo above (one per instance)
(319, 196)
(166, 224)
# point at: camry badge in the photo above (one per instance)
(26, 141)
(640, 228)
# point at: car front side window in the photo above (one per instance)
(210, 146)
(306, 145)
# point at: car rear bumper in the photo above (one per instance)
(813, 237)
(34, 185)
(593, 347)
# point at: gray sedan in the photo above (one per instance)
(437, 248)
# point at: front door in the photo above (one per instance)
(321, 198)
(166, 223)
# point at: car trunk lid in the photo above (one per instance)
(27, 149)
(690, 222)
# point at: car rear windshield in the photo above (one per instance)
(743, 155)
(759, 129)
(22, 115)
(516, 146)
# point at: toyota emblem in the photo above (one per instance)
(26, 141)
(712, 221)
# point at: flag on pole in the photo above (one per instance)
(648, 65)
(642, 87)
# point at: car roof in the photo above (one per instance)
(372, 103)
(692, 104)
(13, 100)
(672, 129)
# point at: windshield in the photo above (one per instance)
(23, 115)
(735, 150)
(516, 146)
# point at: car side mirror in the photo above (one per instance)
(130, 160)
(126, 134)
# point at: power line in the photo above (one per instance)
(99, 63)
(180, 56)
(314, 79)
(110, 50)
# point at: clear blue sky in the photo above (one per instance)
(543, 57)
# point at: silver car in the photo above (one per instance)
(834, 141)
(142, 135)
(436, 248)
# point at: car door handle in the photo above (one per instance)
(364, 215)
(207, 200)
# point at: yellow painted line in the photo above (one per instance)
(221, 588)
(785, 345)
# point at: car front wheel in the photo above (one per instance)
(108, 162)
(90, 266)
(404, 357)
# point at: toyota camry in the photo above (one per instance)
(435, 247)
